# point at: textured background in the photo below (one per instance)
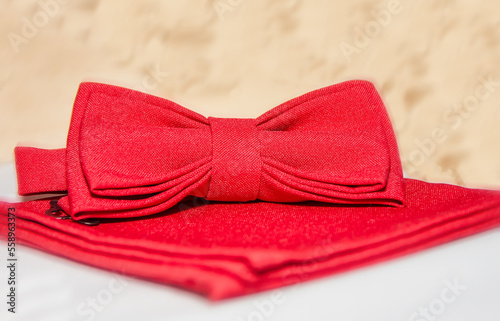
(436, 64)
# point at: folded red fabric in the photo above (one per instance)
(224, 249)
(226, 207)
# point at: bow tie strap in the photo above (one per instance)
(40, 170)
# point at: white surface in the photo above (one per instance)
(52, 288)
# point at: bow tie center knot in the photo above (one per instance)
(236, 162)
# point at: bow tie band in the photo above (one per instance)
(131, 154)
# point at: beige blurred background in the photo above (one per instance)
(436, 64)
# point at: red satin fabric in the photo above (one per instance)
(224, 249)
(136, 161)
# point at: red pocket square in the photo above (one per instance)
(225, 249)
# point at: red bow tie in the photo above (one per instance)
(139, 154)
(131, 154)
